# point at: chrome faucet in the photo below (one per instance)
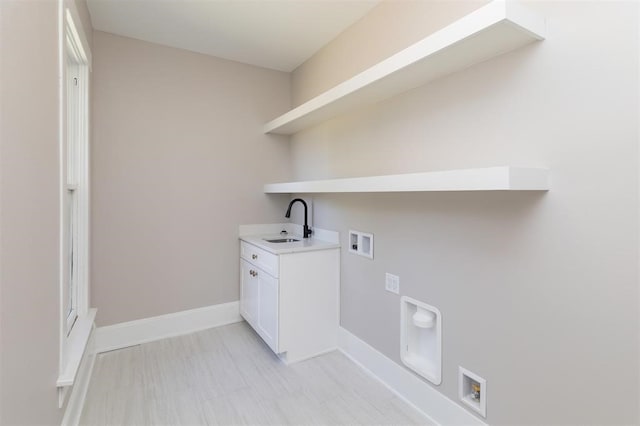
(306, 231)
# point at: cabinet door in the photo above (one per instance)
(249, 293)
(268, 309)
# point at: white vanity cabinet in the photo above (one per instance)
(291, 299)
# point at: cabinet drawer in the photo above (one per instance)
(261, 258)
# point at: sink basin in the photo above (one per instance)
(281, 240)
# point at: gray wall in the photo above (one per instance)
(178, 162)
(29, 211)
(538, 291)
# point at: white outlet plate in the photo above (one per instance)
(392, 283)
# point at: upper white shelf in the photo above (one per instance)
(494, 29)
(485, 179)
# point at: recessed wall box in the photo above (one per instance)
(472, 390)
(361, 243)
(421, 339)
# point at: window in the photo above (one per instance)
(75, 181)
(76, 319)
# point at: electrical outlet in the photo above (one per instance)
(392, 283)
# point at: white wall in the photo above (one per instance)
(538, 291)
(29, 210)
(178, 162)
(29, 218)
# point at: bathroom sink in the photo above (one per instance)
(281, 240)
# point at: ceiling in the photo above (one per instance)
(277, 34)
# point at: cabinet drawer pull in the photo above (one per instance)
(258, 258)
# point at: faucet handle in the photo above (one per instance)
(307, 231)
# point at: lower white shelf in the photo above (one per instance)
(504, 178)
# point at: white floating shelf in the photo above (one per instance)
(485, 179)
(492, 30)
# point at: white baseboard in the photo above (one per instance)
(437, 407)
(145, 330)
(79, 391)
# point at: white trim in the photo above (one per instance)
(62, 173)
(407, 386)
(79, 391)
(72, 15)
(145, 330)
(75, 347)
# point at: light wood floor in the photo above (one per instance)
(228, 376)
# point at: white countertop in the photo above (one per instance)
(304, 244)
